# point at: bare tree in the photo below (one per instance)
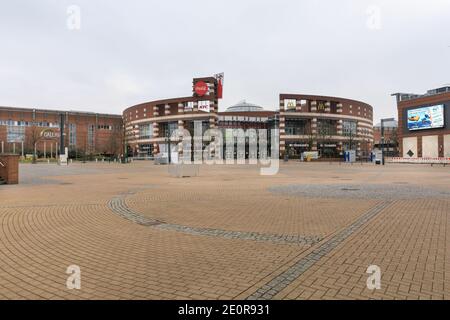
(311, 135)
(33, 138)
(324, 132)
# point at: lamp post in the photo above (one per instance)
(167, 134)
(382, 136)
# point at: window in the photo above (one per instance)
(348, 127)
(146, 131)
(296, 126)
(72, 134)
(91, 132)
(15, 134)
(326, 127)
(104, 127)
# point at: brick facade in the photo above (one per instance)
(419, 138)
(84, 132)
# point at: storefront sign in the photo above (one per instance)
(289, 104)
(204, 106)
(50, 134)
(299, 145)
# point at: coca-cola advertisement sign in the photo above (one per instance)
(201, 88)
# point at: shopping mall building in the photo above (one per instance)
(25, 131)
(328, 125)
(423, 122)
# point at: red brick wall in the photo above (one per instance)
(422, 101)
(105, 141)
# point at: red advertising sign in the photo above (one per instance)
(201, 88)
(219, 78)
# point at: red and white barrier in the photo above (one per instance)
(440, 160)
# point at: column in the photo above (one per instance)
(180, 108)
(282, 136)
(339, 127)
(298, 105)
(314, 132)
(281, 105)
(155, 111)
(155, 135)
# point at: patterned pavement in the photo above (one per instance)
(138, 233)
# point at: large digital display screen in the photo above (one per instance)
(426, 117)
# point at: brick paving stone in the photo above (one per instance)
(223, 234)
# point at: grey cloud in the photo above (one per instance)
(134, 51)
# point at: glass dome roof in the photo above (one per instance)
(244, 106)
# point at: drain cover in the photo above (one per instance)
(349, 189)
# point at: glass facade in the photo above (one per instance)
(296, 126)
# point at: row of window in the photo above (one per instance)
(240, 118)
(29, 123)
(47, 124)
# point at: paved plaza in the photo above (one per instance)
(309, 232)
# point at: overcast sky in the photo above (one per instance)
(128, 52)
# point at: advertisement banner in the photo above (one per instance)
(201, 88)
(219, 78)
(426, 117)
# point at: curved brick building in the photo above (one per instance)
(325, 124)
(148, 125)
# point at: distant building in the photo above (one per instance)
(24, 130)
(390, 145)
